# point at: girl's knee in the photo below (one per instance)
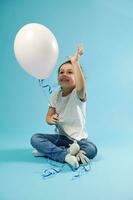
(91, 152)
(34, 139)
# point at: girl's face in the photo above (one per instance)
(66, 76)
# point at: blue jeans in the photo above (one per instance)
(55, 146)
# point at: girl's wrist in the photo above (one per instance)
(75, 63)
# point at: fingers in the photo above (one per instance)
(54, 119)
(80, 51)
(77, 55)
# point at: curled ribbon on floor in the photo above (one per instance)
(55, 169)
(82, 170)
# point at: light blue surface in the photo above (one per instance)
(105, 27)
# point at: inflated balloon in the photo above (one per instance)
(36, 50)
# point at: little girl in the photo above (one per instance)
(67, 112)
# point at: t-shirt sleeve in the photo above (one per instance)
(77, 98)
(52, 100)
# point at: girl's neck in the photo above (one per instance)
(66, 91)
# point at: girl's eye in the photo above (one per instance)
(61, 72)
(70, 72)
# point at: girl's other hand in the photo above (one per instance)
(80, 51)
(53, 119)
(77, 55)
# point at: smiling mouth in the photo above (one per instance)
(64, 79)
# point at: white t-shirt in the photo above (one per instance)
(72, 114)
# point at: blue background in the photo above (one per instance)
(105, 28)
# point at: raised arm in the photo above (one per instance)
(79, 77)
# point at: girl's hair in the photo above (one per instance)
(66, 62)
(69, 62)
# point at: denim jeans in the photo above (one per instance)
(55, 146)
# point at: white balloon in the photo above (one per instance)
(36, 50)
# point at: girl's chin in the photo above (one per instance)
(65, 83)
(67, 86)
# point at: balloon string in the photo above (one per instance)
(44, 86)
(41, 82)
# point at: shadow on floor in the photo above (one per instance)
(25, 155)
(20, 155)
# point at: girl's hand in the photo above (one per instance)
(75, 58)
(53, 119)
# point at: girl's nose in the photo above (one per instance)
(64, 75)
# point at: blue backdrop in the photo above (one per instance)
(105, 28)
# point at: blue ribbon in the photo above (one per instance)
(43, 85)
(82, 170)
(56, 169)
